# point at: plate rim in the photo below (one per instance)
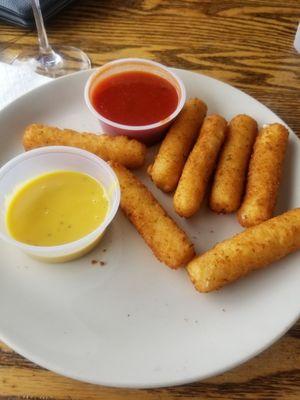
(198, 378)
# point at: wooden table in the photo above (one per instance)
(245, 43)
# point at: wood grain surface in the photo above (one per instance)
(245, 43)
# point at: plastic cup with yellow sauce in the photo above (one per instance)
(22, 169)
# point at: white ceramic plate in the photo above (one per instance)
(134, 322)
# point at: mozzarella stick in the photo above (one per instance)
(128, 152)
(264, 175)
(252, 249)
(229, 181)
(167, 241)
(199, 166)
(176, 146)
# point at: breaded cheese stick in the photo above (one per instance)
(264, 175)
(199, 166)
(252, 249)
(176, 146)
(128, 152)
(167, 241)
(229, 181)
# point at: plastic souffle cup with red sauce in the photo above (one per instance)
(135, 97)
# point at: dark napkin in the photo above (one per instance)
(19, 12)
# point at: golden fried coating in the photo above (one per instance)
(264, 175)
(199, 166)
(252, 249)
(128, 152)
(176, 146)
(229, 181)
(167, 241)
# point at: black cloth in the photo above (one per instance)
(19, 12)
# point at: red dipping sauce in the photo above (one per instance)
(134, 98)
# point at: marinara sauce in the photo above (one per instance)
(134, 98)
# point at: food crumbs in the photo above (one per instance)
(102, 263)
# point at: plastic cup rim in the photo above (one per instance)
(135, 127)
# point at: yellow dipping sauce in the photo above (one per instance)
(56, 208)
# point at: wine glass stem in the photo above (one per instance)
(45, 48)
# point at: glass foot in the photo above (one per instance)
(59, 61)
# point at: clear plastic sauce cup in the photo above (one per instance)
(148, 134)
(36, 162)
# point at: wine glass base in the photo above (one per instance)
(62, 60)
